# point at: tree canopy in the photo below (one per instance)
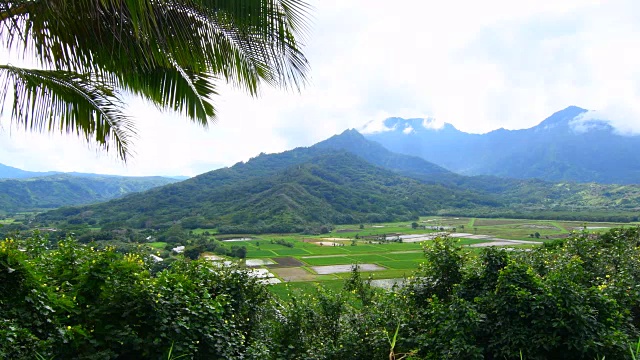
(169, 52)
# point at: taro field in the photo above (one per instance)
(385, 251)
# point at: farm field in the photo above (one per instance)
(302, 261)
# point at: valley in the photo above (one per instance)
(392, 250)
(366, 181)
(342, 238)
(387, 251)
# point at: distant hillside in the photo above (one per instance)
(330, 183)
(554, 150)
(63, 190)
(8, 172)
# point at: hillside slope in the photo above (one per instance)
(63, 190)
(331, 187)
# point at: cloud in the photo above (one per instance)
(477, 65)
(624, 119)
(375, 126)
(407, 130)
(432, 124)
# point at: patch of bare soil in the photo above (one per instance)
(285, 262)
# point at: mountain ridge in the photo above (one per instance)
(560, 148)
(329, 183)
(53, 191)
(10, 172)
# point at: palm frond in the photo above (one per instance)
(53, 100)
(176, 89)
(269, 31)
(242, 41)
(168, 51)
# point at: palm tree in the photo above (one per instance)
(89, 53)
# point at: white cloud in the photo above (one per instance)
(477, 65)
(407, 130)
(375, 126)
(624, 119)
(433, 124)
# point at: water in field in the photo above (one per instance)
(238, 239)
(258, 262)
(333, 269)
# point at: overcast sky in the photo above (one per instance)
(479, 65)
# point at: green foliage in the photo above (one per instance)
(283, 243)
(441, 272)
(103, 304)
(577, 299)
(171, 54)
(361, 288)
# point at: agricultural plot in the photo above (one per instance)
(334, 269)
(258, 262)
(287, 262)
(327, 259)
(294, 274)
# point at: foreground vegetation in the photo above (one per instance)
(576, 298)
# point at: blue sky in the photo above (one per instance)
(477, 65)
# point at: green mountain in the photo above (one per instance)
(320, 186)
(504, 196)
(63, 190)
(344, 179)
(563, 147)
(376, 154)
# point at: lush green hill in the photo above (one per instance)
(555, 150)
(64, 190)
(504, 196)
(328, 188)
(371, 151)
(329, 184)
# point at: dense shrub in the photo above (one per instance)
(575, 299)
(79, 302)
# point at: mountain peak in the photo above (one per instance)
(562, 117)
(351, 133)
(572, 144)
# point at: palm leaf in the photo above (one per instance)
(169, 52)
(177, 89)
(242, 41)
(50, 100)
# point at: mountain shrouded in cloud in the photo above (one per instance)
(572, 144)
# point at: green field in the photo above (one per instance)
(158, 244)
(349, 244)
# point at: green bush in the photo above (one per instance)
(576, 299)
